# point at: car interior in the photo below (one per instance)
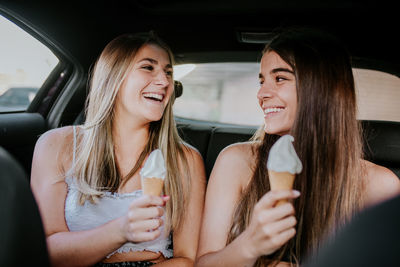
(198, 32)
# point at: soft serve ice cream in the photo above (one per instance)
(153, 173)
(283, 164)
(283, 157)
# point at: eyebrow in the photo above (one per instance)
(153, 61)
(260, 76)
(281, 70)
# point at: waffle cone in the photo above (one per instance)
(281, 181)
(152, 186)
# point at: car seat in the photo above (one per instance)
(22, 235)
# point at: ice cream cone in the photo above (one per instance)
(281, 181)
(283, 164)
(153, 174)
(152, 186)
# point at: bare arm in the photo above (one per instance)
(47, 182)
(81, 248)
(186, 238)
(269, 229)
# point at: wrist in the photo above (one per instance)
(246, 247)
(118, 228)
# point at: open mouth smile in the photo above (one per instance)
(154, 97)
(273, 110)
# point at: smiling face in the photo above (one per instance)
(277, 95)
(147, 87)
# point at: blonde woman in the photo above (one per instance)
(306, 90)
(86, 179)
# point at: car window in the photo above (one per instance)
(24, 66)
(226, 93)
(378, 95)
(219, 92)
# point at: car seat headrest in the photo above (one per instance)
(178, 87)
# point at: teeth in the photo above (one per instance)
(270, 110)
(156, 96)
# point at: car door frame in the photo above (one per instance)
(52, 106)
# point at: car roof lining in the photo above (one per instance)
(84, 28)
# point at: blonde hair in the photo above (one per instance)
(95, 167)
(327, 140)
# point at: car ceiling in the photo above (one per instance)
(368, 28)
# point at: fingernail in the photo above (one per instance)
(165, 199)
(296, 193)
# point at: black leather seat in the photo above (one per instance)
(197, 136)
(372, 239)
(22, 235)
(222, 137)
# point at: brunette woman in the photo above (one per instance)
(307, 91)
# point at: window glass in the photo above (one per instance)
(220, 92)
(378, 95)
(24, 66)
(227, 93)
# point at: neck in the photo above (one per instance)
(129, 141)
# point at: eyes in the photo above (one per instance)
(150, 68)
(169, 73)
(147, 67)
(280, 79)
(277, 78)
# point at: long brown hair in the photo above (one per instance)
(327, 140)
(95, 167)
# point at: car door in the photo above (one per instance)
(41, 85)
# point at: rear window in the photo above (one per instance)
(227, 93)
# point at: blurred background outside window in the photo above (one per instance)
(25, 63)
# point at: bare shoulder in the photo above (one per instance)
(55, 136)
(52, 150)
(235, 165)
(192, 154)
(195, 165)
(239, 153)
(55, 141)
(381, 183)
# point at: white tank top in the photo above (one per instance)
(110, 206)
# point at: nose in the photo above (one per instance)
(264, 92)
(161, 78)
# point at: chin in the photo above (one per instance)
(154, 115)
(153, 118)
(275, 131)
